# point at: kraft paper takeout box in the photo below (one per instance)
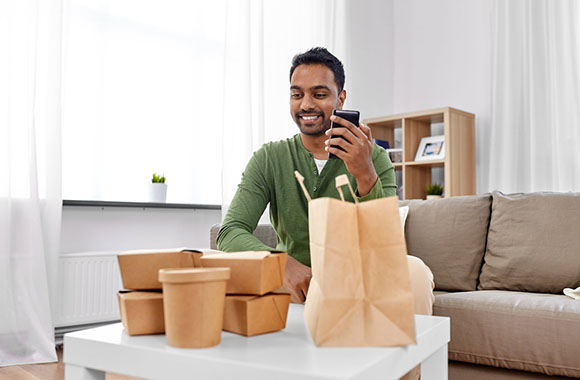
(142, 312)
(253, 315)
(193, 305)
(253, 272)
(140, 269)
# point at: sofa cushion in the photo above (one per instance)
(533, 243)
(470, 371)
(524, 331)
(449, 235)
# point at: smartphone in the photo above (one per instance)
(349, 115)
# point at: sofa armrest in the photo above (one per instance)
(264, 232)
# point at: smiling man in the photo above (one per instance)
(316, 89)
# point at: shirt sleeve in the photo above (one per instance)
(386, 185)
(250, 201)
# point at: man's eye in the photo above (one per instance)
(295, 96)
(320, 96)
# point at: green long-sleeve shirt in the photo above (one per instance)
(269, 178)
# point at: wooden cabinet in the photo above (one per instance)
(459, 140)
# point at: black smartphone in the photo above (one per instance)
(349, 115)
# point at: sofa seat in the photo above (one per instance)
(517, 330)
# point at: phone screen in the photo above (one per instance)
(352, 116)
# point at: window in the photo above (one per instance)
(142, 93)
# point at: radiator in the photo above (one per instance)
(87, 288)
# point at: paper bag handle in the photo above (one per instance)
(300, 180)
(342, 180)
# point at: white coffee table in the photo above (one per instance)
(288, 354)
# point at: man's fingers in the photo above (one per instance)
(296, 295)
(337, 152)
(366, 130)
(343, 132)
(349, 126)
(302, 289)
(337, 141)
(295, 298)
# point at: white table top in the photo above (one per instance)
(288, 354)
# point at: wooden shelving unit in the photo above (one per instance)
(459, 162)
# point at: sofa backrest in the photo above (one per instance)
(533, 243)
(264, 232)
(449, 235)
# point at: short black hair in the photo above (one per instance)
(320, 55)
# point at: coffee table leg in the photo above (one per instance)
(74, 372)
(435, 366)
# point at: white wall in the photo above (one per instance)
(369, 65)
(96, 229)
(442, 58)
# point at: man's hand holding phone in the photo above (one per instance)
(353, 143)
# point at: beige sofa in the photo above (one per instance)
(500, 264)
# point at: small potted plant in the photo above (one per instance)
(157, 189)
(434, 191)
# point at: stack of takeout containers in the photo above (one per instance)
(141, 306)
(183, 293)
(253, 305)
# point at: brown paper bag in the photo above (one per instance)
(360, 293)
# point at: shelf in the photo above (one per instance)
(459, 163)
(438, 163)
(143, 205)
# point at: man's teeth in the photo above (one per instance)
(309, 117)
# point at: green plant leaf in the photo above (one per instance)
(158, 179)
(434, 189)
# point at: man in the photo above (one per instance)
(316, 88)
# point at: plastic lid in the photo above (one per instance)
(193, 274)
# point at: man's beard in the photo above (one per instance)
(310, 131)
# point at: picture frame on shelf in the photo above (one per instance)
(431, 148)
(396, 155)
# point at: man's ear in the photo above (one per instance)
(341, 98)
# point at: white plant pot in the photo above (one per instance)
(157, 192)
(434, 197)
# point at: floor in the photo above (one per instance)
(48, 371)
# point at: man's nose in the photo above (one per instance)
(307, 103)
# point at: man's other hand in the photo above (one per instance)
(297, 280)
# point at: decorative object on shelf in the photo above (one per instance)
(431, 148)
(395, 154)
(383, 143)
(434, 191)
(157, 189)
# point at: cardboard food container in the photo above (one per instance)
(140, 269)
(253, 315)
(253, 272)
(141, 312)
(193, 300)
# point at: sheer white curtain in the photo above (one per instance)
(30, 204)
(535, 122)
(261, 39)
